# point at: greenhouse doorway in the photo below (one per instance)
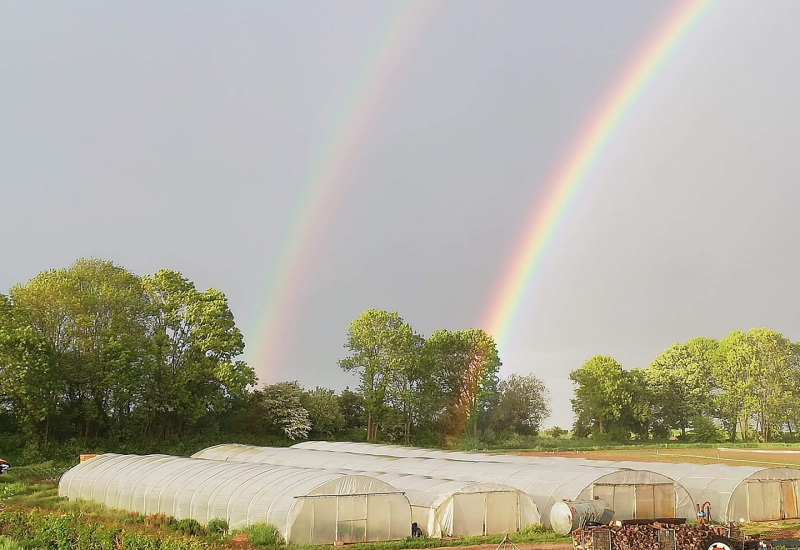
(345, 519)
(650, 501)
(769, 500)
(485, 513)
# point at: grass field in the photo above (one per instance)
(766, 457)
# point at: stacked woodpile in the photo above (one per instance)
(644, 536)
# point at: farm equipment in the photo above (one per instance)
(660, 534)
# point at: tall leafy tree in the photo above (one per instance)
(30, 387)
(92, 318)
(324, 413)
(523, 405)
(679, 383)
(602, 393)
(195, 346)
(383, 353)
(465, 365)
(756, 377)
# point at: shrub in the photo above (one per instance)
(263, 534)
(556, 432)
(157, 520)
(188, 526)
(704, 430)
(217, 525)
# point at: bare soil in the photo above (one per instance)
(721, 455)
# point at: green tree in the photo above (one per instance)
(637, 416)
(523, 405)
(92, 319)
(282, 408)
(195, 346)
(756, 376)
(464, 364)
(29, 383)
(351, 405)
(602, 394)
(383, 353)
(324, 413)
(679, 382)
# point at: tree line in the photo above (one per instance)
(742, 386)
(96, 352)
(410, 389)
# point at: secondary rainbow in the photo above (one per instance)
(549, 213)
(329, 172)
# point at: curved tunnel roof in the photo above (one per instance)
(421, 490)
(547, 482)
(241, 493)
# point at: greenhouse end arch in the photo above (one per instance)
(307, 506)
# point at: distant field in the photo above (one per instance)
(721, 455)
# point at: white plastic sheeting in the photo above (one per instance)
(308, 506)
(441, 507)
(739, 492)
(735, 492)
(546, 482)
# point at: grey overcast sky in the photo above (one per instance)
(184, 135)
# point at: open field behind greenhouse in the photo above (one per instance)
(765, 457)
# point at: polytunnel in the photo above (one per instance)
(738, 493)
(640, 494)
(734, 492)
(307, 506)
(440, 507)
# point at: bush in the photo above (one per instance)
(188, 526)
(262, 534)
(556, 432)
(217, 525)
(704, 430)
(158, 520)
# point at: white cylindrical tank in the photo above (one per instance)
(568, 515)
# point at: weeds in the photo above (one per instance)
(261, 534)
(9, 544)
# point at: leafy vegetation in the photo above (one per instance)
(94, 358)
(744, 384)
(262, 534)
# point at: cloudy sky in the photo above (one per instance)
(316, 159)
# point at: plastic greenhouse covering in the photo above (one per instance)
(440, 507)
(735, 492)
(307, 506)
(640, 494)
(739, 493)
